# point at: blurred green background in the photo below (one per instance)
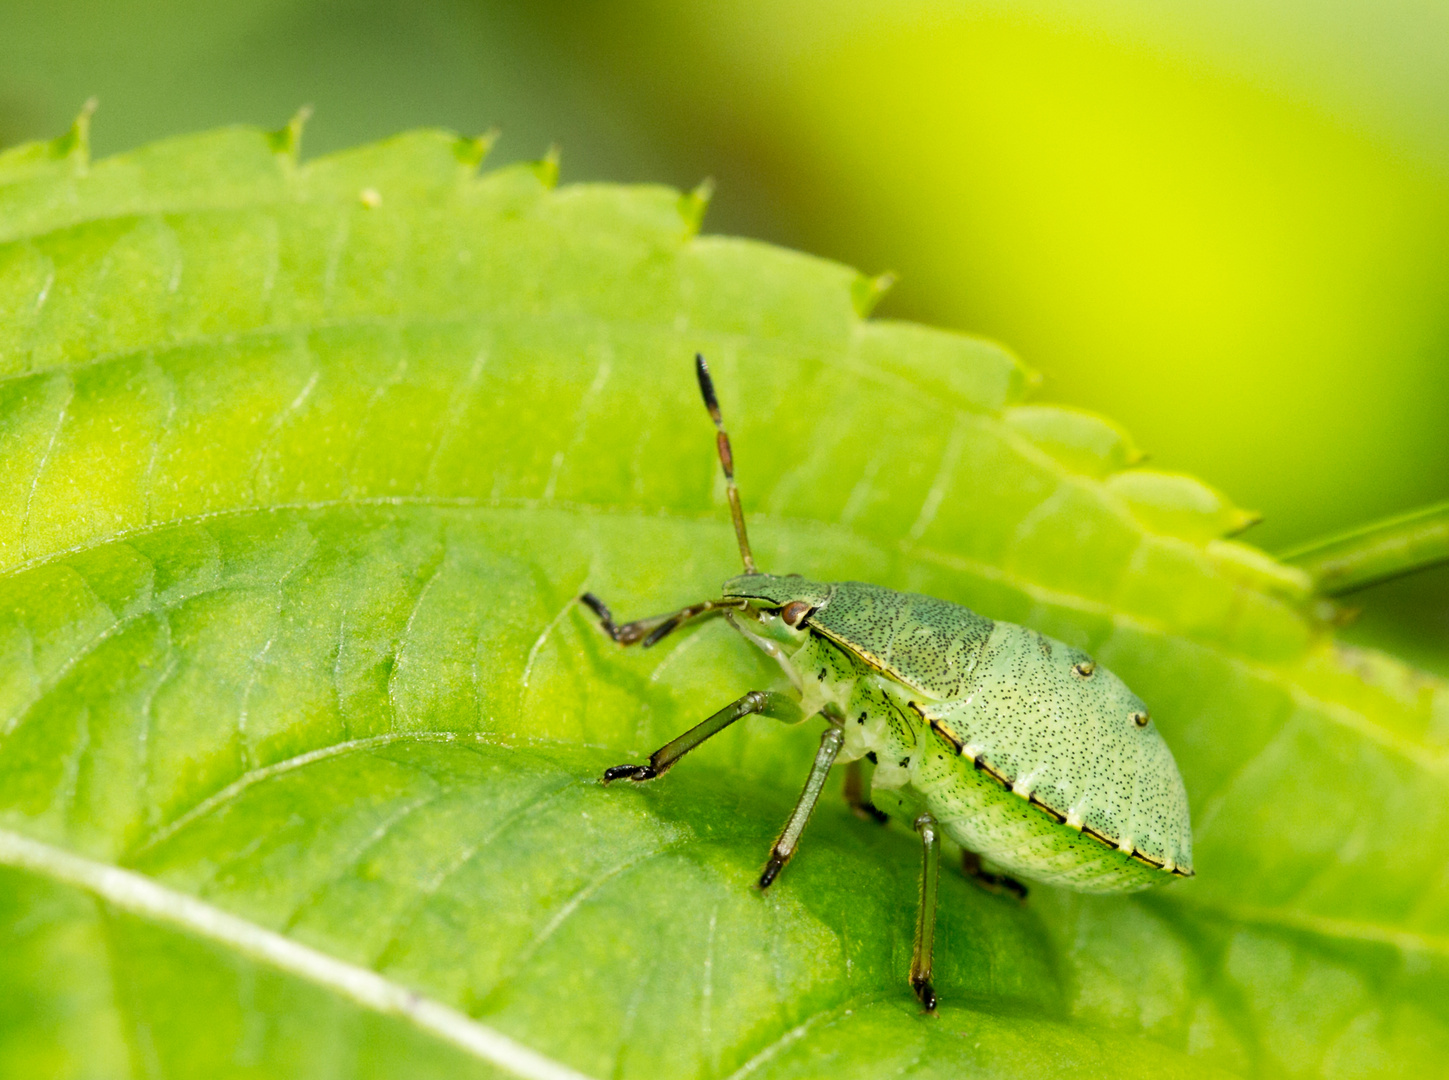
(1226, 224)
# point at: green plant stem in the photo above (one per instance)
(1378, 552)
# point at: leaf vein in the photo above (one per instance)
(572, 905)
(41, 464)
(464, 858)
(350, 861)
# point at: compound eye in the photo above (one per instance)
(1140, 718)
(1084, 669)
(794, 611)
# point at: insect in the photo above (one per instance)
(1037, 761)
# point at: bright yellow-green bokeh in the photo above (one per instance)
(1254, 283)
(1249, 289)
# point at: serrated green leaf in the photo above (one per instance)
(1081, 441)
(1179, 505)
(304, 466)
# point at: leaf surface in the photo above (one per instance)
(303, 468)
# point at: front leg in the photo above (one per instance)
(650, 631)
(662, 760)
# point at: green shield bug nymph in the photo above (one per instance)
(1037, 761)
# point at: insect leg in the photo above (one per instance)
(855, 797)
(926, 913)
(756, 701)
(651, 630)
(997, 883)
(830, 744)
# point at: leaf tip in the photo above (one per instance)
(1242, 520)
(693, 204)
(546, 167)
(76, 142)
(288, 141)
(866, 292)
(471, 151)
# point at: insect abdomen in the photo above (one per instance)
(1066, 733)
(983, 815)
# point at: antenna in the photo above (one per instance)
(726, 460)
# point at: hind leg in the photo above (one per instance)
(855, 797)
(926, 913)
(993, 883)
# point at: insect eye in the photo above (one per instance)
(1084, 668)
(794, 611)
(1141, 718)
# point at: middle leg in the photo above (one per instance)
(830, 744)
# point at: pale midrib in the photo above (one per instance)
(138, 895)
